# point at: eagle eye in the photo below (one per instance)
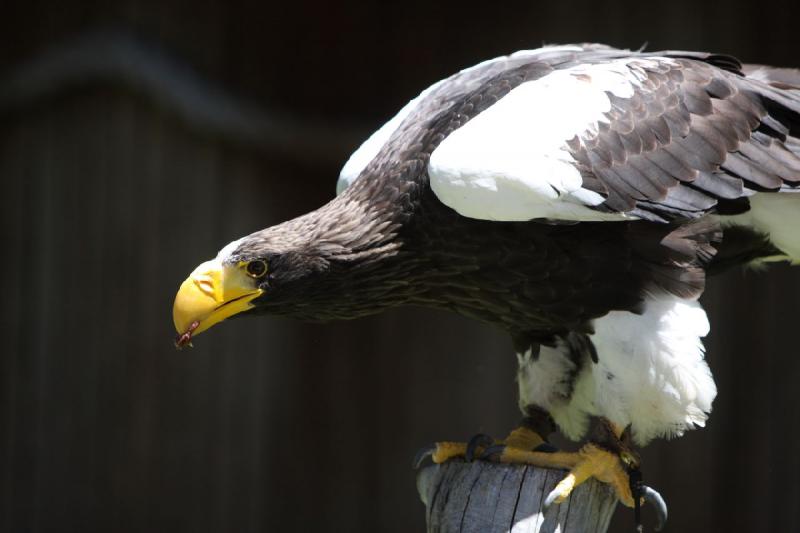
(256, 268)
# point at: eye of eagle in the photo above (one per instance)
(256, 268)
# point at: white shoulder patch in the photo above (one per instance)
(365, 153)
(511, 162)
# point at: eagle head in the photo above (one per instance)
(254, 273)
(334, 263)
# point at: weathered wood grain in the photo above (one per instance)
(481, 496)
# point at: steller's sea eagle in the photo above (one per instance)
(575, 196)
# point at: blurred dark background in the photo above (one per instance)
(137, 138)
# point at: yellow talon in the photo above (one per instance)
(593, 461)
(590, 461)
(520, 439)
(524, 439)
(448, 450)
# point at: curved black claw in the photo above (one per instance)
(491, 451)
(482, 440)
(652, 497)
(420, 456)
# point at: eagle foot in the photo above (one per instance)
(483, 446)
(618, 469)
(609, 458)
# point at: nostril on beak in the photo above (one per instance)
(205, 284)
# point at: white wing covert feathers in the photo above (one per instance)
(603, 134)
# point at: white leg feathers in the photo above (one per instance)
(548, 381)
(651, 373)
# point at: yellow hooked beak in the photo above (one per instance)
(212, 293)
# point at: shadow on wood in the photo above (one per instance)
(481, 496)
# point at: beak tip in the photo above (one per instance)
(185, 339)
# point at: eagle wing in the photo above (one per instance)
(646, 136)
(487, 81)
(592, 133)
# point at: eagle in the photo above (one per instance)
(576, 197)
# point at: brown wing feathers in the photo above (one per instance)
(696, 135)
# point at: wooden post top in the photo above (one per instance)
(481, 496)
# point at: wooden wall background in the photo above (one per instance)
(112, 193)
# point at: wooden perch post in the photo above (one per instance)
(482, 496)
